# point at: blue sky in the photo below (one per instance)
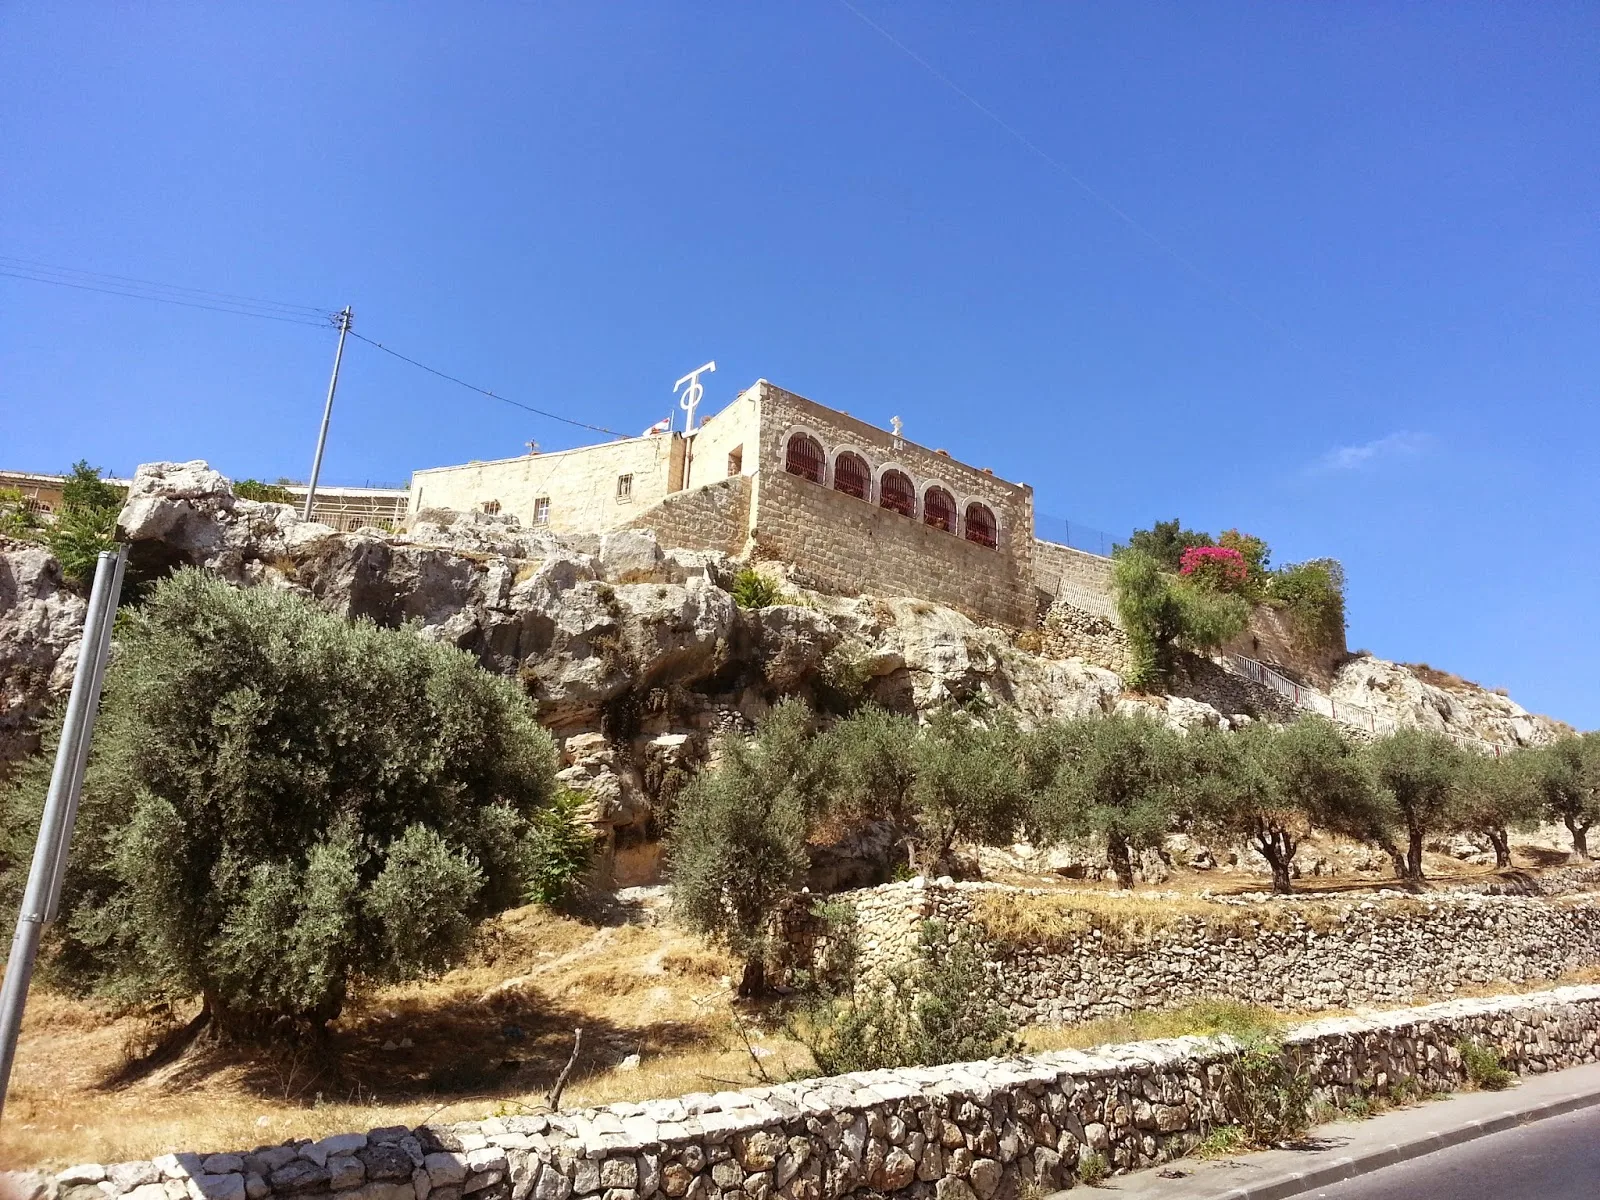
(1324, 272)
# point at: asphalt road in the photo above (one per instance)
(1556, 1159)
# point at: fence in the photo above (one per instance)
(1325, 705)
(1075, 534)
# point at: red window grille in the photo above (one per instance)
(852, 476)
(804, 458)
(939, 510)
(980, 525)
(895, 492)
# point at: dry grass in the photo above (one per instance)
(1058, 921)
(489, 1036)
(1448, 680)
(1204, 1018)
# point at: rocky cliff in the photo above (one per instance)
(635, 654)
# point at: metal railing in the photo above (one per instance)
(1341, 711)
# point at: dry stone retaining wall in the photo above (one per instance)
(1306, 956)
(974, 1131)
(1072, 632)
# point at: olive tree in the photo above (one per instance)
(1497, 795)
(1274, 786)
(872, 767)
(1118, 778)
(1422, 773)
(281, 802)
(737, 846)
(1566, 774)
(966, 785)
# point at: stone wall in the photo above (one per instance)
(732, 436)
(580, 484)
(1068, 631)
(838, 544)
(1074, 577)
(974, 1131)
(1288, 954)
(713, 517)
(854, 546)
(1270, 639)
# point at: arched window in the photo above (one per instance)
(980, 525)
(804, 458)
(896, 492)
(852, 476)
(939, 509)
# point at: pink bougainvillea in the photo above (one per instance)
(1216, 566)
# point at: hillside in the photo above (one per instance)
(636, 654)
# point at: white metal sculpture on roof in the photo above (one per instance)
(693, 393)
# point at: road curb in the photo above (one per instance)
(1375, 1159)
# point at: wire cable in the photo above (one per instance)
(472, 387)
(102, 277)
(136, 295)
(1105, 202)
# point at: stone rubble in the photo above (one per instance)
(968, 1131)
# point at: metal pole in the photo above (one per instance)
(80, 761)
(61, 802)
(327, 412)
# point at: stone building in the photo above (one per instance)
(850, 507)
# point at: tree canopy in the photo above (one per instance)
(282, 803)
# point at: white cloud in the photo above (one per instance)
(1355, 458)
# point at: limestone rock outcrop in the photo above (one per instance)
(41, 622)
(1400, 695)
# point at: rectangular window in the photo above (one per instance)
(735, 460)
(624, 488)
(541, 511)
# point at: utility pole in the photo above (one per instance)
(327, 411)
(43, 894)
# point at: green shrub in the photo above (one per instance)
(265, 493)
(560, 847)
(752, 589)
(282, 804)
(1272, 1095)
(1093, 1170)
(938, 1009)
(1483, 1066)
(17, 520)
(1312, 596)
(1222, 1141)
(1163, 613)
(85, 524)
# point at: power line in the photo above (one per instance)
(1105, 202)
(472, 387)
(138, 295)
(243, 306)
(96, 277)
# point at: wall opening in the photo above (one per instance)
(491, 507)
(896, 492)
(624, 488)
(736, 460)
(541, 511)
(852, 476)
(939, 509)
(804, 458)
(980, 525)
